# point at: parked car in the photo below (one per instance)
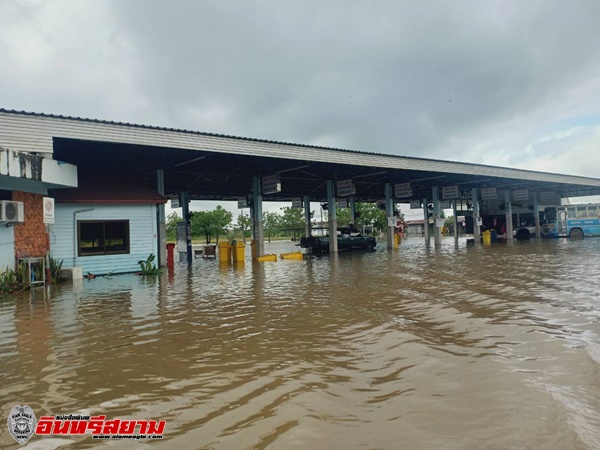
(347, 238)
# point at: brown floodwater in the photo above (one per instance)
(421, 348)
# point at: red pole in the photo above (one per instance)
(170, 254)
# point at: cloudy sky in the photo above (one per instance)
(506, 83)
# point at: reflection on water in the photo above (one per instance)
(457, 347)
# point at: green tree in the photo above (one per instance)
(292, 219)
(244, 223)
(271, 224)
(211, 223)
(171, 224)
(221, 219)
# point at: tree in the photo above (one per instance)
(244, 222)
(271, 224)
(211, 223)
(292, 219)
(172, 220)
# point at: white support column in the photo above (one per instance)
(476, 215)
(161, 238)
(455, 219)
(353, 210)
(536, 216)
(437, 231)
(257, 217)
(389, 209)
(332, 218)
(426, 218)
(307, 217)
(508, 212)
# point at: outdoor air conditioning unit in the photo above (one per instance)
(11, 211)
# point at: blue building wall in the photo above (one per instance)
(142, 236)
(7, 247)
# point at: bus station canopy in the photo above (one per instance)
(219, 167)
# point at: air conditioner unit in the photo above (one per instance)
(12, 211)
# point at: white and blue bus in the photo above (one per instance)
(573, 221)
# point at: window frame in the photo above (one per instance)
(125, 251)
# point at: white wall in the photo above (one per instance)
(7, 247)
(142, 236)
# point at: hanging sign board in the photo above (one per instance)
(548, 198)
(450, 192)
(445, 204)
(439, 223)
(489, 194)
(242, 203)
(48, 210)
(297, 203)
(345, 188)
(521, 194)
(341, 203)
(415, 204)
(175, 202)
(402, 190)
(392, 221)
(271, 184)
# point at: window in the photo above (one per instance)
(107, 237)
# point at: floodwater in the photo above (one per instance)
(453, 348)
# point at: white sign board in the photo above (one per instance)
(271, 184)
(341, 203)
(175, 202)
(415, 204)
(402, 190)
(392, 221)
(521, 194)
(450, 192)
(489, 194)
(297, 203)
(445, 204)
(548, 198)
(48, 210)
(242, 203)
(345, 188)
(439, 223)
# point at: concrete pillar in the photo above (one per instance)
(508, 212)
(257, 218)
(536, 216)
(185, 210)
(307, 218)
(353, 210)
(437, 231)
(476, 215)
(426, 217)
(455, 220)
(332, 218)
(389, 209)
(161, 222)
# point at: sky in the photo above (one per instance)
(508, 83)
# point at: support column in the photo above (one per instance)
(185, 210)
(455, 220)
(389, 209)
(307, 218)
(426, 217)
(161, 225)
(536, 216)
(353, 210)
(332, 218)
(508, 212)
(476, 215)
(437, 231)
(257, 218)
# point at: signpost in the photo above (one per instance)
(521, 194)
(489, 194)
(450, 192)
(345, 188)
(415, 204)
(271, 184)
(402, 190)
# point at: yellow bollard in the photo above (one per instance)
(292, 255)
(224, 251)
(487, 237)
(267, 258)
(237, 251)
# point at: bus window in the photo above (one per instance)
(571, 212)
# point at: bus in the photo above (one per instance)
(572, 221)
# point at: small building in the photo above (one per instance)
(25, 207)
(414, 227)
(106, 225)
